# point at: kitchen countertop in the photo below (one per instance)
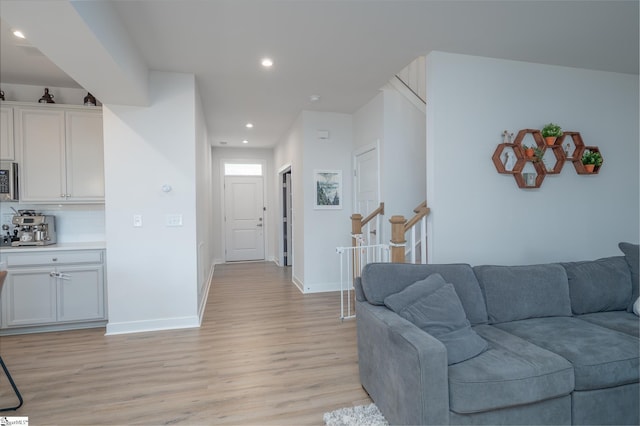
(94, 245)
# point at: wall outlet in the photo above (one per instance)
(137, 221)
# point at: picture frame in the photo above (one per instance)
(328, 189)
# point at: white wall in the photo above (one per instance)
(368, 123)
(324, 230)
(400, 127)
(289, 153)
(152, 270)
(220, 154)
(204, 207)
(316, 233)
(479, 216)
(403, 156)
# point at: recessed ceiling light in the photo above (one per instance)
(314, 98)
(249, 125)
(267, 62)
(245, 141)
(18, 34)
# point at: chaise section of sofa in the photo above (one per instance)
(405, 371)
(561, 346)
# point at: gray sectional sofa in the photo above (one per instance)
(537, 344)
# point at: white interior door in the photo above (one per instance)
(288, 221)
(244, 218)
(367, 193)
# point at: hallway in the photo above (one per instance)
(265, 354)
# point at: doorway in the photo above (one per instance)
(366, 167)
(287, 219)
(244, 208)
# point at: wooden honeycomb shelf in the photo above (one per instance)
(560, 152)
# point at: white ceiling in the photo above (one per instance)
(342, 50)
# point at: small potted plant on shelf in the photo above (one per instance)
(538, 153)
(528, 151)
(591, 160)
(551, 132)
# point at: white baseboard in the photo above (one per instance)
(298, 283)
(205, 294)
(322, 288)
(152, 325)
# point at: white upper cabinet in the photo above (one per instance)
(62, 155)
(7, 151)
(84, 156)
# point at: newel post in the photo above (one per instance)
(356, 227)
(397, 239)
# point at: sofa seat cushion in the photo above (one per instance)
(600, 357)
(519, 292)
(599, 285)
(433, 305)
(510, 372)
(622, 321)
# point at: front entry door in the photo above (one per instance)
(244, 218)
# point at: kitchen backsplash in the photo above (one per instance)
(74, 223)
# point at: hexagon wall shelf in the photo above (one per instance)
(568, 147)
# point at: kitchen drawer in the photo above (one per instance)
(53, 258)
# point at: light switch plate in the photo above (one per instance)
(137, 221)
(173, 220)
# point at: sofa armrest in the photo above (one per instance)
(403, 368)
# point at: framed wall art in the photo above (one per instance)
(328, 185)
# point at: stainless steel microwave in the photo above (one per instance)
(8, 181)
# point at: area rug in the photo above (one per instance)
(363, 415)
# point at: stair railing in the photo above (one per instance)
(363, 250)
(357, 223)
(400, 226)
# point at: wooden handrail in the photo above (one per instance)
(357, 222)
(420, 207)
(356, 230)
(421, 211)
(379, 210)
(399, 226)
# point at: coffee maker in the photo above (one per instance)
(33, 229)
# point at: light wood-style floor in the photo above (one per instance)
(265, 354)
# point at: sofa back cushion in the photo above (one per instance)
(599, 285)
(433, 305)
(521, 292)
(631, 255)
(380, 280)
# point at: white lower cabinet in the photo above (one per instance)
(52, 291)
(80, 293)
(29, 297)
